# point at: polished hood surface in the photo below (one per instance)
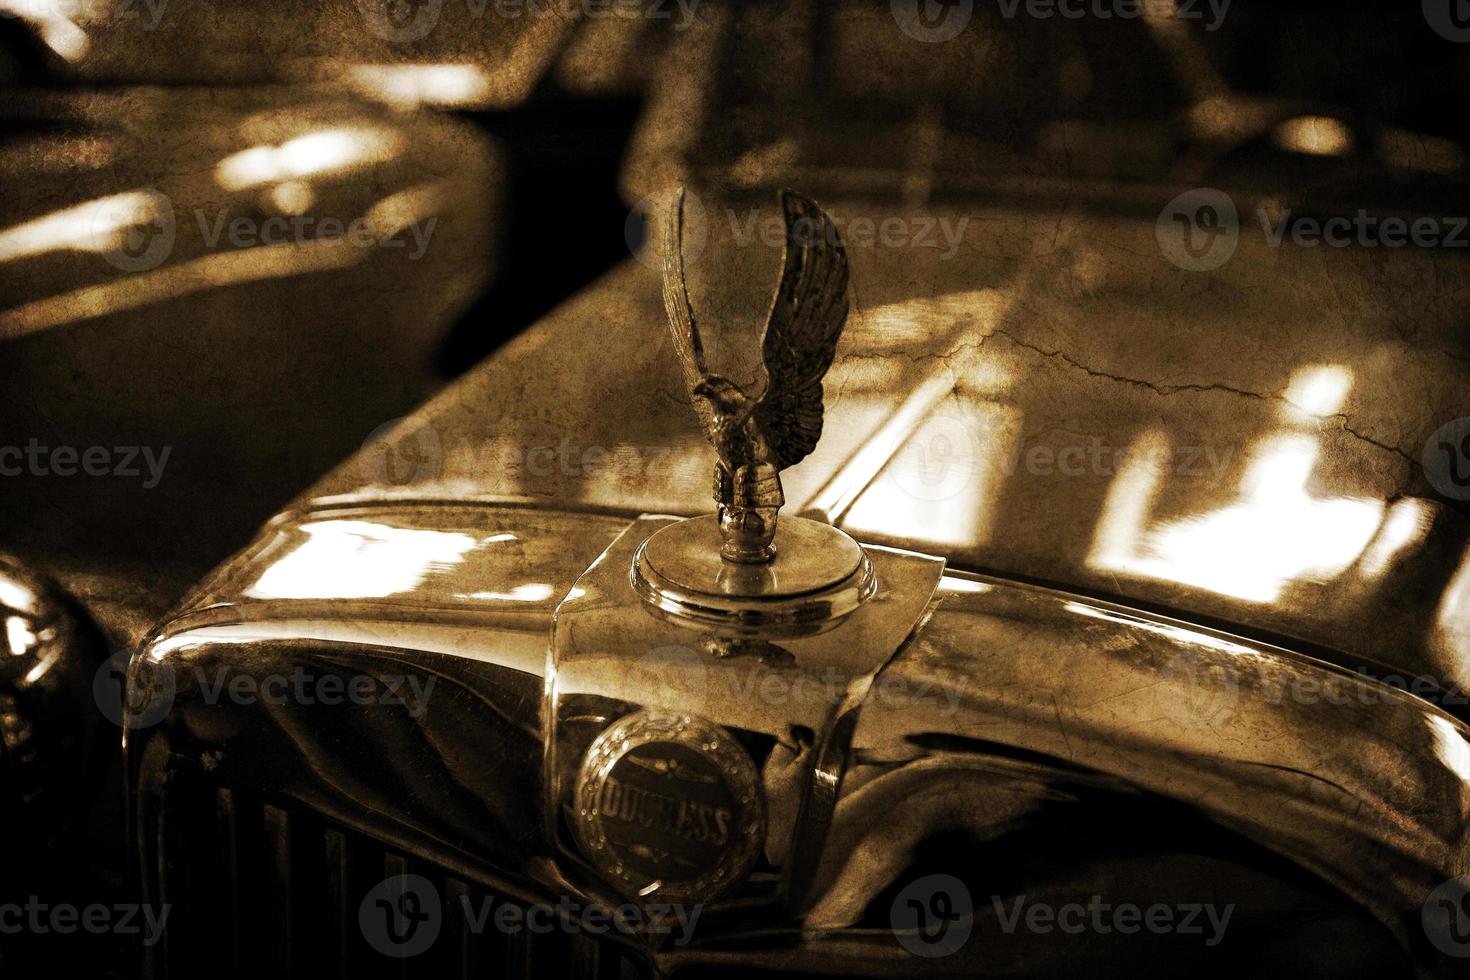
(1041, 394)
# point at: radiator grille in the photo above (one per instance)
(256, 889)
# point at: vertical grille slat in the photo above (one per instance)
(279, 938)
(340, 914)
(227, 838)
(259, 888)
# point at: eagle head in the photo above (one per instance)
(725, 396)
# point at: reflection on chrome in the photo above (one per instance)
(413, 85)
(953, 583)
(1452, 622)
(383, 220)
(1450, 746)
(529, 592)
(94, 226)
(57, 30)
(1314, 136)
(1276, 533)
(321, 152)
(1404, 527)
(1316, 392)
(19, 638)
(1179, 634)
(359, 560)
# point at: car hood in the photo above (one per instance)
(1041, 394)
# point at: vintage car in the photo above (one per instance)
(1116, 623)
(1213, 665)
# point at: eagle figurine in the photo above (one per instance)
(756, 435)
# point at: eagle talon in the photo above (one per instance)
(748, 534)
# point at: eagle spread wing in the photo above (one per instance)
(681, 318)
(805, 322)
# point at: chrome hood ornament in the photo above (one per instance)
(736, 570)
(758, 435)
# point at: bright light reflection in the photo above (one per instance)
(388, 217)
(360, 560)
(57, 30)
(1314, 135)
(1275, 534)
(963, 585)
(18, 636)
(325, 151)
(1452, 622)
(531, 592)
(94, 226)
(1450, 746)
(1176, 633)
(291, 197)
(1405, 525)
(411, 85)
(942, 483)
(1318, 392)
(13, 595)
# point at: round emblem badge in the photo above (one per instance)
(669, 805)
